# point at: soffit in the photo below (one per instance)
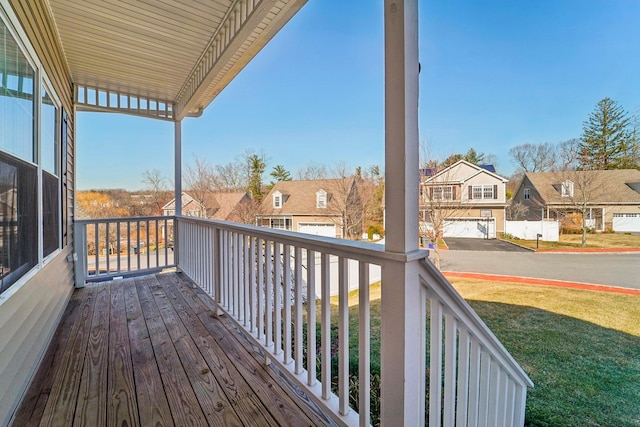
(179, 52)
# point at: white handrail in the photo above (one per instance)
(268, 281)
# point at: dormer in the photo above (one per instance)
(566, 188)
(321, 199)
(277, 199)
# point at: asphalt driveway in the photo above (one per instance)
(493, 245)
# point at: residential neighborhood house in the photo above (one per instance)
(224, 206)
(324, 207)
(469, 200)
(610, 198)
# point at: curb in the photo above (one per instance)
(591, 250)
(544, 282)
(518, 245)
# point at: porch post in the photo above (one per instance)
(177, 157)
(402, 352)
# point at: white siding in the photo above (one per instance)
(28, 319)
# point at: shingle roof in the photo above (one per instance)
(608, 186)
(300, 197)
(227, 203)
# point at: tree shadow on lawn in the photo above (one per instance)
(584, 374)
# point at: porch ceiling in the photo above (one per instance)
(182, 53)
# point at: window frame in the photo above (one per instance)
(526, 194)
(566, 188)
(40, 83)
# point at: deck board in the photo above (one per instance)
(149, 351)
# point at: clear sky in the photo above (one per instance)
(495, 73)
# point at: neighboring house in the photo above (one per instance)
(324, 207)
(610, 199)
(190, 207)
(468, 200)
(227, 206)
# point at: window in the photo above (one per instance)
(477, 192)
(567, 188)
(444, 192)
(277, 200)
(321, 199)
(527, 193)
(27, 109)
(486, 213)
(280, 223)
(486, 192)
(18, 219)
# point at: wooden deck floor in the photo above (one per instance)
(148, 351)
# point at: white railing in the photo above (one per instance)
(473, 379)
(266, 280)
(112, 247)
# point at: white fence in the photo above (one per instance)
(528, 230)
(476, 228)
(262, 279)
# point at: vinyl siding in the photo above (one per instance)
(30, 311)
(28, 319)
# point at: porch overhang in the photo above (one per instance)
(160, 58)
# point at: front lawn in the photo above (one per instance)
(594, 241)
(580, 348)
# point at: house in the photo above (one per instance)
(222, 206)
(466, 200)
(168, 61)
(608, 199)
(323, 207)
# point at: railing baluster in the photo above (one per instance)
(97, 250)
(364, 346)
(118, 245)
(343, 334)
(245, 279)
(148, 247)
(494, 393)
(450, 356)
(286, 302)
(108, 247)
(299, 345)
(277, 294)
(325, 324)
(253, 247)
(463, 378)
(268, 291)
(485, 375)
(311, 318)
(435, 371)
(157, 245)
(260, 287)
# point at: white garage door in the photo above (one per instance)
(475, 228)
(626, 222)
(319, 229)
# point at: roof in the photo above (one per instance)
(174, 56)
(607, 186)
(489, 168)
(227, 204)
(456, 173)
(300, 197)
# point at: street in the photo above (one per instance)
(621, 269)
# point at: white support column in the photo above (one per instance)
(177, 158)
(402, 352)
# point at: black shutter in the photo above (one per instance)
(470, 192)
(453, 193)
(495, 191)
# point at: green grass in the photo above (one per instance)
(580, 348)
(574, 241)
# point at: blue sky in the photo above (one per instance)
(495, 74)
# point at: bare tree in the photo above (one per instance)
(533, 157)
(312, 171)
(200, 182)
(157, 186)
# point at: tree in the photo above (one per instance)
(473, 157)
(200, 182)
(156, 184)
(631, 155)
(533, 157)
(605, 136)
(257, 165)
(279, 173)
(312, 171)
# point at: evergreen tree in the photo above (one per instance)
(605, 136)
(279, 173)
(474, 157)
(257, 166)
